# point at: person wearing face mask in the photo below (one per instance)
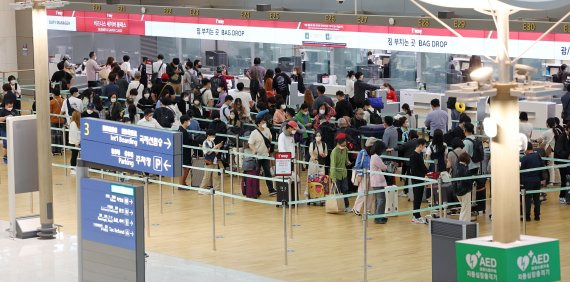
(175, 73)
(90, 112)
(279, 115)
(197, 69)
(286, 140)
(297, 75)
(142, 69)
(148, 120)
(226, 109)
(318, 151)
(325, 112)
(343, 107)
(146, 102)
(190, 78)
(186, 152)
(71, 104)
(240, 110)
(360, 88)
(199, 112)
(244, 97)
(56, 122)
(222, 97)
(164, 115)
(184, 103)
(418, 169)
(361, 164)
(7, 111)
(74, 139)
(115, 108)
(303, 118)
(138, 86)
(211, 179)
(260, 144)
(339, 162)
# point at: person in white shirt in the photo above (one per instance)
(159, 66)
(207, 97)
(148, 120)
(136, 84)
(126, 66)
(245, 98)
(72, 101)
(286, 140)
(349, 90)
(74, 138)
(211, 179)
(226, 109)
(525, 127)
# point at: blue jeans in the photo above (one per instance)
(342, 185)
(3, 135)
(380, 204)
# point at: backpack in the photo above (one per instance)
(478, 151)
(461, 187)
(216, 82)
(163, 117)
(198, 94)
(375, 118)
(70, 109)
(440, 157)
(154, 75)
(281, 84)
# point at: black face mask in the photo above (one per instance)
(199, 66)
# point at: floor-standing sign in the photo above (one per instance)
(283, 164)
(111, 215)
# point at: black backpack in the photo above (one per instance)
(461, 187)
(216, 82)
(439, 156)
(281, 84)
(478, 150)
(199, 93)
(375, 118)
(164, 117)
(155, 74)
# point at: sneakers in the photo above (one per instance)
(420, 220)
(348, 210)
(204, 192)
(72, 172)
(402, 194)
(562, 200)
(5, 159)
(355, 212)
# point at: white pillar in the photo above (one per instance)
(8, 48)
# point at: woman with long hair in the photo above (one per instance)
(74, 138)
(309, 98)
(297, 76)
(390, 92)
(377, 180)
(408, 113)
(350, 83)
(437, 150)
(268, 83)
(363, 179)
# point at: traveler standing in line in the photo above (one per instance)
(562, 151)
(245, 99)
(281, 84)
(148, 120)
(339, 162)
(309, 99)
(260, 144)
(72, 103)
(186, 152)
(184, 104)
(437, 118)
(437, 150)
(279, 115)
(189, 79)
(409, 114)
(115, 111)
(74, 138)
(321, 99)
(146, 101)
(7, 111)
(547, 142)
(268, 83)
(90, 112)
(143, 71)
(175, 73)
(363, 163)
(297, 75)
(206, 93)
(111, 87)
(525, 127)
(319, 152)
(126, 67)
(226, 109)
(377, 179)
(470, 143)
(197, 69)
(158, 67)
(358, 121)
(91, 69)
(55, 105)
(256, 75)
(343, 107)
(360, 88)
(390, 140)
(61, 77)
(325, 112)
(462, 189)
(123, 84)
(286, 140)
(531, 181)
(138, 86)
(211, 178)
(418, 169)
(164, 115)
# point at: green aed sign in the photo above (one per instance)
(530, 259)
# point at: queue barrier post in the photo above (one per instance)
(64, 149)
(364, 226)
(212, 203)
(223, 197)
(440, 198)
(523, 207)
(160, 193)
(289, 200)
(147, 196)
(283, 206)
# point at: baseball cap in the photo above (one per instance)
(164, 76)
(219, 69)
(340, 136)
(293, 124)
(370, 141)
(91, 106)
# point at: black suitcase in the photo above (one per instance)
(57, 139)
(283, 191)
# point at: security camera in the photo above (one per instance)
(340, 1)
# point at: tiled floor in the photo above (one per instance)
(56, 260)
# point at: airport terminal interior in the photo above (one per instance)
(341, 140)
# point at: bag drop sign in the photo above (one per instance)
(283, 164)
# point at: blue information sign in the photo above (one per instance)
(131, 147)
(109, 213)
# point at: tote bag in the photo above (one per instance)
(334, 205)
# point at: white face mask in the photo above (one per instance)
(89, 111)
(196, 103)
(294, 73)
(9, 109)
(146, 96)
(341, 147)
(264, 125)
(13, 81)
(186, 99)
(318, 138)
(293, 132)
(322, 112)
(113, 100)
(212, 139)
(283, 107)
(406, 124)
(232, 116)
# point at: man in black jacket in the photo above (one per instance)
(457, 132)
(186, 152)
(343, 107)
(531, 180)
(281, 83)
(562, 151)
(360, 88)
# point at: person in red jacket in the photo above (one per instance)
(390, 93)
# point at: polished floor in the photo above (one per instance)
(324, 247)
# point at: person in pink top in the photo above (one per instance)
(377, 180)
(325, 112)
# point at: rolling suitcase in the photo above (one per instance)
(196, 175)
(250, 185)
(56, 139)
(318, 187)
(391, 200)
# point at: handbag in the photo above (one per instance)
(334, 205)
(354, 177)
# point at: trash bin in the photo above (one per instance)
(444, 233)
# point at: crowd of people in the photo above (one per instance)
(347, 139)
